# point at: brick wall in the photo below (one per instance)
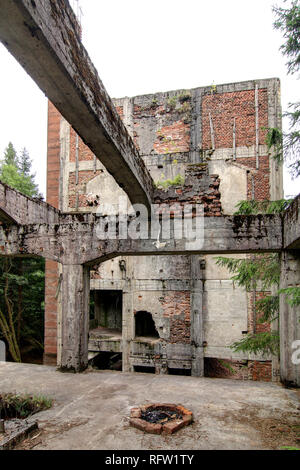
(238, 370)
(223, 108)
(176, 307)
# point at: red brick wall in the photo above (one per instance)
(238, 370)
(173, 138)
(84, 152)
(259, 370)
(224, 107)
(258, 179)
(51, 268)
(84, 176)
(176, 306)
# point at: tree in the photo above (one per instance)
(287, 145)
(21, 280)
(25, 163)
(16, 172)
(10, 156)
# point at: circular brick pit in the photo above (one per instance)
(158, 418)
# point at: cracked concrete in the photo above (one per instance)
(91, 410)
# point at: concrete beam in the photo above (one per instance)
(20, 209)
(74, 240)
(44, 37)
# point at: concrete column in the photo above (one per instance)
(289, 320)
(197, 276)
(75, 296)
(127, 326)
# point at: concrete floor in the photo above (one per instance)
(91, 410)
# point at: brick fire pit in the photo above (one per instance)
(160, 418)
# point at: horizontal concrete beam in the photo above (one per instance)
(291, 226)
(44, 37)
(75, 240)
(20, 209)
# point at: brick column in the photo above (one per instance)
(51, 268)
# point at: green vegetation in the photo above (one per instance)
(16, 171)
(289, 448)
(22, 280)
(177, 181)
(262, 207)
(22, 406)
(171, 102)
(287, 145)
(184, 96)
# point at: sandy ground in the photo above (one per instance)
(91, 410)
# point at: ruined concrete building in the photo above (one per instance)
(159, 304)
(211, 142)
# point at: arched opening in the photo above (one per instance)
(144, 325)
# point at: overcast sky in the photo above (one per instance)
(142, 47)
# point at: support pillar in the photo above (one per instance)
(127, 326)
(289, 321)
(197, 275)
(75, 296)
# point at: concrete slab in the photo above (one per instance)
(92, 409)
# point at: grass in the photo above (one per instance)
(22, 406)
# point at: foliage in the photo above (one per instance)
(262, 207)
(292, 295)
(177, 181)
(10, 156)
(262, 269)
(15, 171)
(184, 96)
(22, 406)
(289, 448)
(288, 21)
(287, 145)
(258, 343)
(172, 102)
(268, 308)
(22, 280)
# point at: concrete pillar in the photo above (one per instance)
(127, 326)
(75, 296)
(289, 320)
(197, 275)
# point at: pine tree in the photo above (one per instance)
(25, 163)
(10, 156)
(16, 172)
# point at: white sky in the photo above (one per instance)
(142, 47)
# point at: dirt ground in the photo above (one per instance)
(91, 410)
